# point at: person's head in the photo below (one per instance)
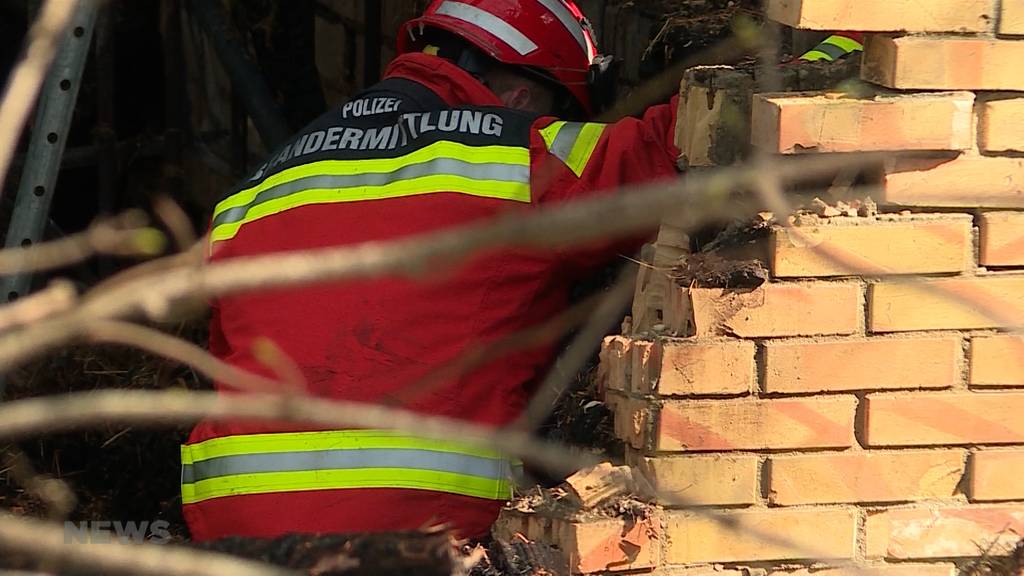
(536, 55)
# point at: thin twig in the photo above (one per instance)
(22, 418)
(545, 332)
(58, 498)
(182, 351)
(125, 235)
(580, 350)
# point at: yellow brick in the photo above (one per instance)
(1002, 125)
(944, 532)
(688, 368)
(778, 309)
(997, 361)
(809, 533)
(891, 570)
(591, 545)
(788, 123)
(943, 63)
(996, 475)
(944, 419)
(1011, 18)
(803, 366)
(883, 15)
(716, 479)
(1002, 238)
(749, 424)
(864, 477)
(992, 301)
(966, 181)
(912, 245)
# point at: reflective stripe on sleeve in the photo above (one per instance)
(500, 172)
(832, 48)
(573, 142)
(339, 459)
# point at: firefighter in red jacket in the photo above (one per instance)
(465, 126)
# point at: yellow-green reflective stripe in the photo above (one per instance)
(551, 132)
(847, 44)
(274, 482)
(573, 142)
(473, 154)
(500, 172)
(815, 55)
(323, 440)
(516, 191)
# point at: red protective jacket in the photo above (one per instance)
(350, 178)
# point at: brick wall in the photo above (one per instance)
(866, 403)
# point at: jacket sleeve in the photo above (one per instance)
(571, 160)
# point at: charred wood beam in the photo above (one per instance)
(245, 76)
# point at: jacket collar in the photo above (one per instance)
(452, 84)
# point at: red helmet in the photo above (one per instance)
(549, 36)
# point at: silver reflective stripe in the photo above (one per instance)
(566, 140)
(569, 21)
(489, 22)
(492, 468)
(438, 166)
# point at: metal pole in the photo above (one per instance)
(46, 145)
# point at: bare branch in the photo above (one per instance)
(46, 541)
(27, 78)
(124, 235)
(51, 414)
(181, 351)
(580, 350)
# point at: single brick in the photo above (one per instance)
(749, 424)
(996, 475)
(1002, 125)
(687, 368)
(997, 361)
(717, 479)
(993, 301)
(592, 545)
(867, 247)
(1011, 18)
(883, 15)
(942, 533)
(943, 63)
(890, 570)
(966, 181)
(1002, 238)
(809, 533)
(787, 123)
(778, 309)
(804, 366)
(613, 369)
(864, 477)
(944, 419)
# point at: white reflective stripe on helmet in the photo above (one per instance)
(571, 24)
(489, 22)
